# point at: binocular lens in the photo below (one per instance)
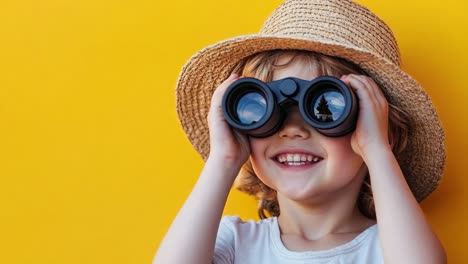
(327, 106)
(250, 108)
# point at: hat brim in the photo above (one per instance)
(423, 160)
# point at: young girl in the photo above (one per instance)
(347, 199)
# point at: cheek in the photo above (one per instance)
(260, 160)
(339, 145)
(257, 153)
(258, 147)
(341, 155)
(260, 168)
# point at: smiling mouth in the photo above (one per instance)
(296, 159)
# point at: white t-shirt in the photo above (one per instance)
(260, 242)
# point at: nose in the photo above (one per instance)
(294, 126)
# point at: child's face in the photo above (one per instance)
(300, 163)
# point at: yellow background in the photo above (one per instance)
(93, 163)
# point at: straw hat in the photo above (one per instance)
(340, 28)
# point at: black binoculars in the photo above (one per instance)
(257, 108)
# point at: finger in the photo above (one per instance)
(358, 86)
(367, 90)
(219, 92)
(216, 98)
(372, 87)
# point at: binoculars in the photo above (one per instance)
(258, 109)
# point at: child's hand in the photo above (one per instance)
(226, 143)
(372, 126)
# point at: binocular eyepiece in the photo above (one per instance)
(257, 108)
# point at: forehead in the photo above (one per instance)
(299, 67)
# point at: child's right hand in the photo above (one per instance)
(227, 145)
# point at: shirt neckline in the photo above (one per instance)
(338, 250)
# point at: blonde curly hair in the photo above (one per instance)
(262, 66)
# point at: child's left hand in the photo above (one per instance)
(372, 126)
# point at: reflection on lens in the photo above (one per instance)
(251, 107)
(329, 106)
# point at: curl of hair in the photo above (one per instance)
(262, 66)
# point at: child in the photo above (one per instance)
(347, 199)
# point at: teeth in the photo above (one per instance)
(296, 159)
(296, 163)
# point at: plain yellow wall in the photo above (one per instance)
(93, 163)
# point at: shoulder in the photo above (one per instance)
(365, 248)
(249, 228)
(243, 241)
(237, 221)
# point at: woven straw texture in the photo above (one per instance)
(340, 28)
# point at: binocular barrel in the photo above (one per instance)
(258, 108)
